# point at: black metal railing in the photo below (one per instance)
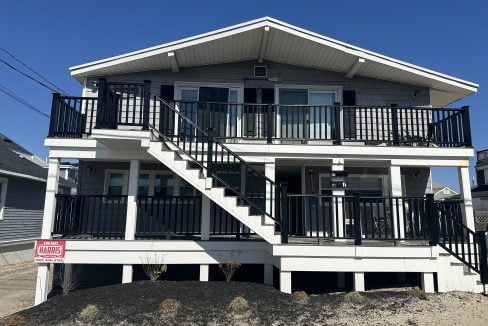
(132, 104)
(93, 215)
(379, 218)
(223, 223)
(71, 117)
(208, 153)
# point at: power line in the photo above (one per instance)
(19, 99)
(28, 76)
(32, 70)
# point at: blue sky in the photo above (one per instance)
(447, 36)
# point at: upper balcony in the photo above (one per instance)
(134, 106)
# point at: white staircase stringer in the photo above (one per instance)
(179, 167)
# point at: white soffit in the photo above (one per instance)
(283, 43)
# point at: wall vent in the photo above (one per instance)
(260, 71)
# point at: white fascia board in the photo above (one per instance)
(21, 175)
(67, 142)
(277, 24)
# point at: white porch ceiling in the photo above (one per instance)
(286, 44)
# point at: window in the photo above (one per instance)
(143, 189)
(163, 185)
(3, 195)
(115, 184)
(186, 189)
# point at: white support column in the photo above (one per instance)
(50, 199)
(269, 172)
(285, 282)
(465, 189)
(428, 282)
(130, 224)
(268, 274)
(204, 272)
(337, 204)
(396, 191)
(43, 270)
(42, 283)
(341, 280)
(205, 222)
(359, 281)
(127, 271)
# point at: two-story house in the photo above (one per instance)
(300, 152)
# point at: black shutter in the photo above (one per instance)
(250, 95)
(349, 99)
(168, 93)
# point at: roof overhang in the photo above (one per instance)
(273, 40)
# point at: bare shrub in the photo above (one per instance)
(154, 267)
(239, 304)
(354, 297)
(89, 313)
(169, 305)
(14, 320)
(72, 281)
(301, 296)
(417, 293)
(231, 266)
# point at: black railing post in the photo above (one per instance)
(146, 102)
(210, 132)
(337, 123)
(284, 212)
(394, 125)
(101, 103)
(466, 126)
(433, 220)
(481, 239)
(54, 115)
(269, 124)
(357, 220)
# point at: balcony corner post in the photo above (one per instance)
(337, 124)
(210, 138)
(54, 115)
(269, 124)
(467, 126)
(357, 220)
(433, 221)
(284, 212)
(394, 125)
(482, 253)
(146, 103)
(101, 103)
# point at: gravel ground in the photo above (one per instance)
(17, 287)
(215, 303)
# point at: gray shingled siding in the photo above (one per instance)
(22, 217)
(368, 91)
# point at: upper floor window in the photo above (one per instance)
(3, 195)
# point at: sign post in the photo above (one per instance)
(50, 251)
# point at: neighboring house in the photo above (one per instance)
(480, 192)
(442, 192)
(299, 152)
(23, 178)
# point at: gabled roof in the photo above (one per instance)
(273, 40)
(18, 162)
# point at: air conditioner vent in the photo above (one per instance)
(260, 71)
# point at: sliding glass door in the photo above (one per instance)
(305, 113)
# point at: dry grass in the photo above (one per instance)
(14, 320)
(418, 293)
(300, 296)
(169, 305)
(239, 304)
(154, 268)
(354, 297)
(89, 313)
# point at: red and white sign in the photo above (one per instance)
(50, 251)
